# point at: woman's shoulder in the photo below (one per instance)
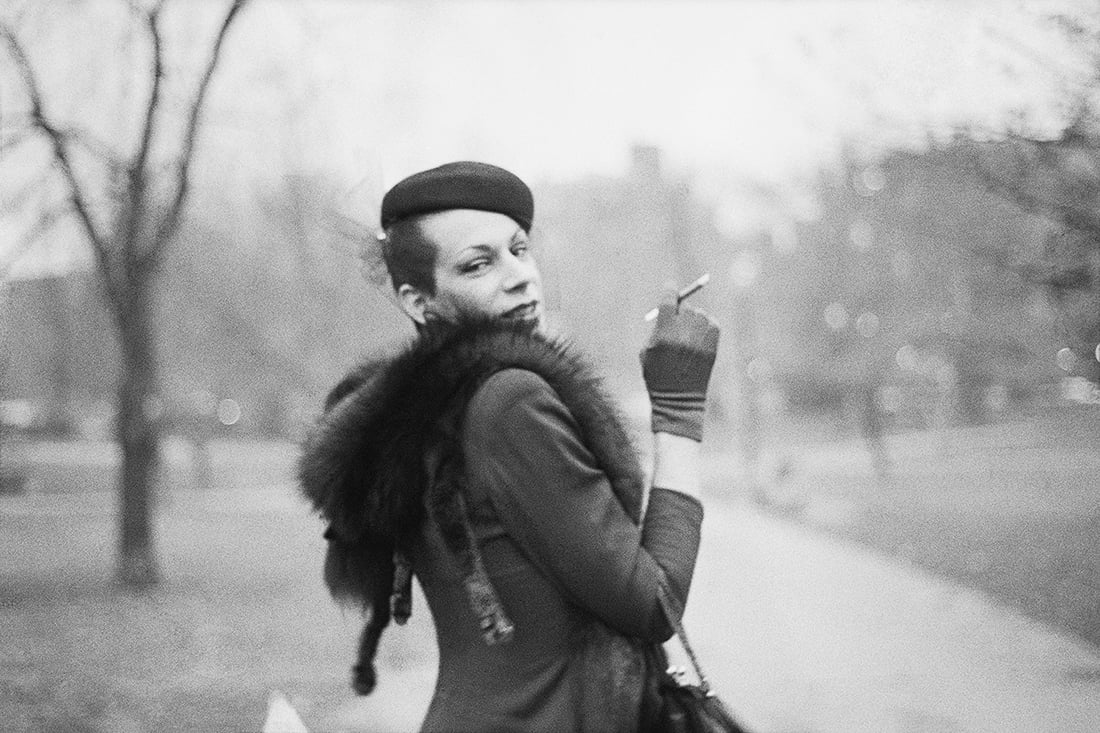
(515, 382)
(514, 395)
(510, 390)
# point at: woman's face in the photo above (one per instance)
(484, 267)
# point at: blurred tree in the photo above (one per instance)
(3, 385)
(960, 300)
(1058, 180)
(129, 209)
(894, 288)
(617, 240)
(1056, 176)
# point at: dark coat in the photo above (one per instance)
(492, 459)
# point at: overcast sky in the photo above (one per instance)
(730, 90)
(562, 87)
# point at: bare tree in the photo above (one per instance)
(145, 205)
(1056, 176)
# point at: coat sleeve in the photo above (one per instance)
(523, 449)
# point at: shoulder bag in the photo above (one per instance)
(672, 704)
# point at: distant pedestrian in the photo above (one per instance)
(486, 460)
(872, 424)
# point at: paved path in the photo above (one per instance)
(802, 632)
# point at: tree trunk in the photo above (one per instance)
(138, 435)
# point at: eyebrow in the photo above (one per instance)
(479, 248)
(490, 248)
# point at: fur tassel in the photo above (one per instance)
(363, 674)
(448, 509)
(401, 596)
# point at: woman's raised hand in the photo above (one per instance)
(676, 366)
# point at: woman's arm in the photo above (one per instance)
(523, 450)
(676, 365)
(677, 479)
(524, 447)
(676, 464)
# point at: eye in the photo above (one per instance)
(520, 248)
(475, 266)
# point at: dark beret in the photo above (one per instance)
(462, 185)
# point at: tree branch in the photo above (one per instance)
(149, 126)
(91, 143)
(136, 7)
(171, 218)
(346, 227)
(22, 195)
(57, 141)
(46, 220)
(94, 145)
(17, 122)
(1050, 208)
(138, 175)
(16, 139)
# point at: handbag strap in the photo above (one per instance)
(673, 611)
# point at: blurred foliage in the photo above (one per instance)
(1056, 177)
(265, 307)
(903, 284)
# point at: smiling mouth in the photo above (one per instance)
(527, 310)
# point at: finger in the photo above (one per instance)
(714, 331)
(697, 316)
(670, 301)
(698, 323)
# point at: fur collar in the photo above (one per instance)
(367, 465)
(387, 452)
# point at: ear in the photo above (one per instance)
(414, 302)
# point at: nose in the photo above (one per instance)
(520, 273)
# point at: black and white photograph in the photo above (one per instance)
(549, 366)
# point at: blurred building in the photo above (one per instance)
(909, 283)
(58, 353)
(609, 246)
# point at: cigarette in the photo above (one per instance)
(687, 291)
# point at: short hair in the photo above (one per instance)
(410, 255)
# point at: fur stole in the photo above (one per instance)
(387, 453)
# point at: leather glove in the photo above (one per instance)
(676, 366)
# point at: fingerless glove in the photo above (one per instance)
(676, 366)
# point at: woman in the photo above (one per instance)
(486, 460)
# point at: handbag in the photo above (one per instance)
(672, 704)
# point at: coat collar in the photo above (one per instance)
(363, 466)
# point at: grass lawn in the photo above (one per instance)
(241, 612)
(1012, 509)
